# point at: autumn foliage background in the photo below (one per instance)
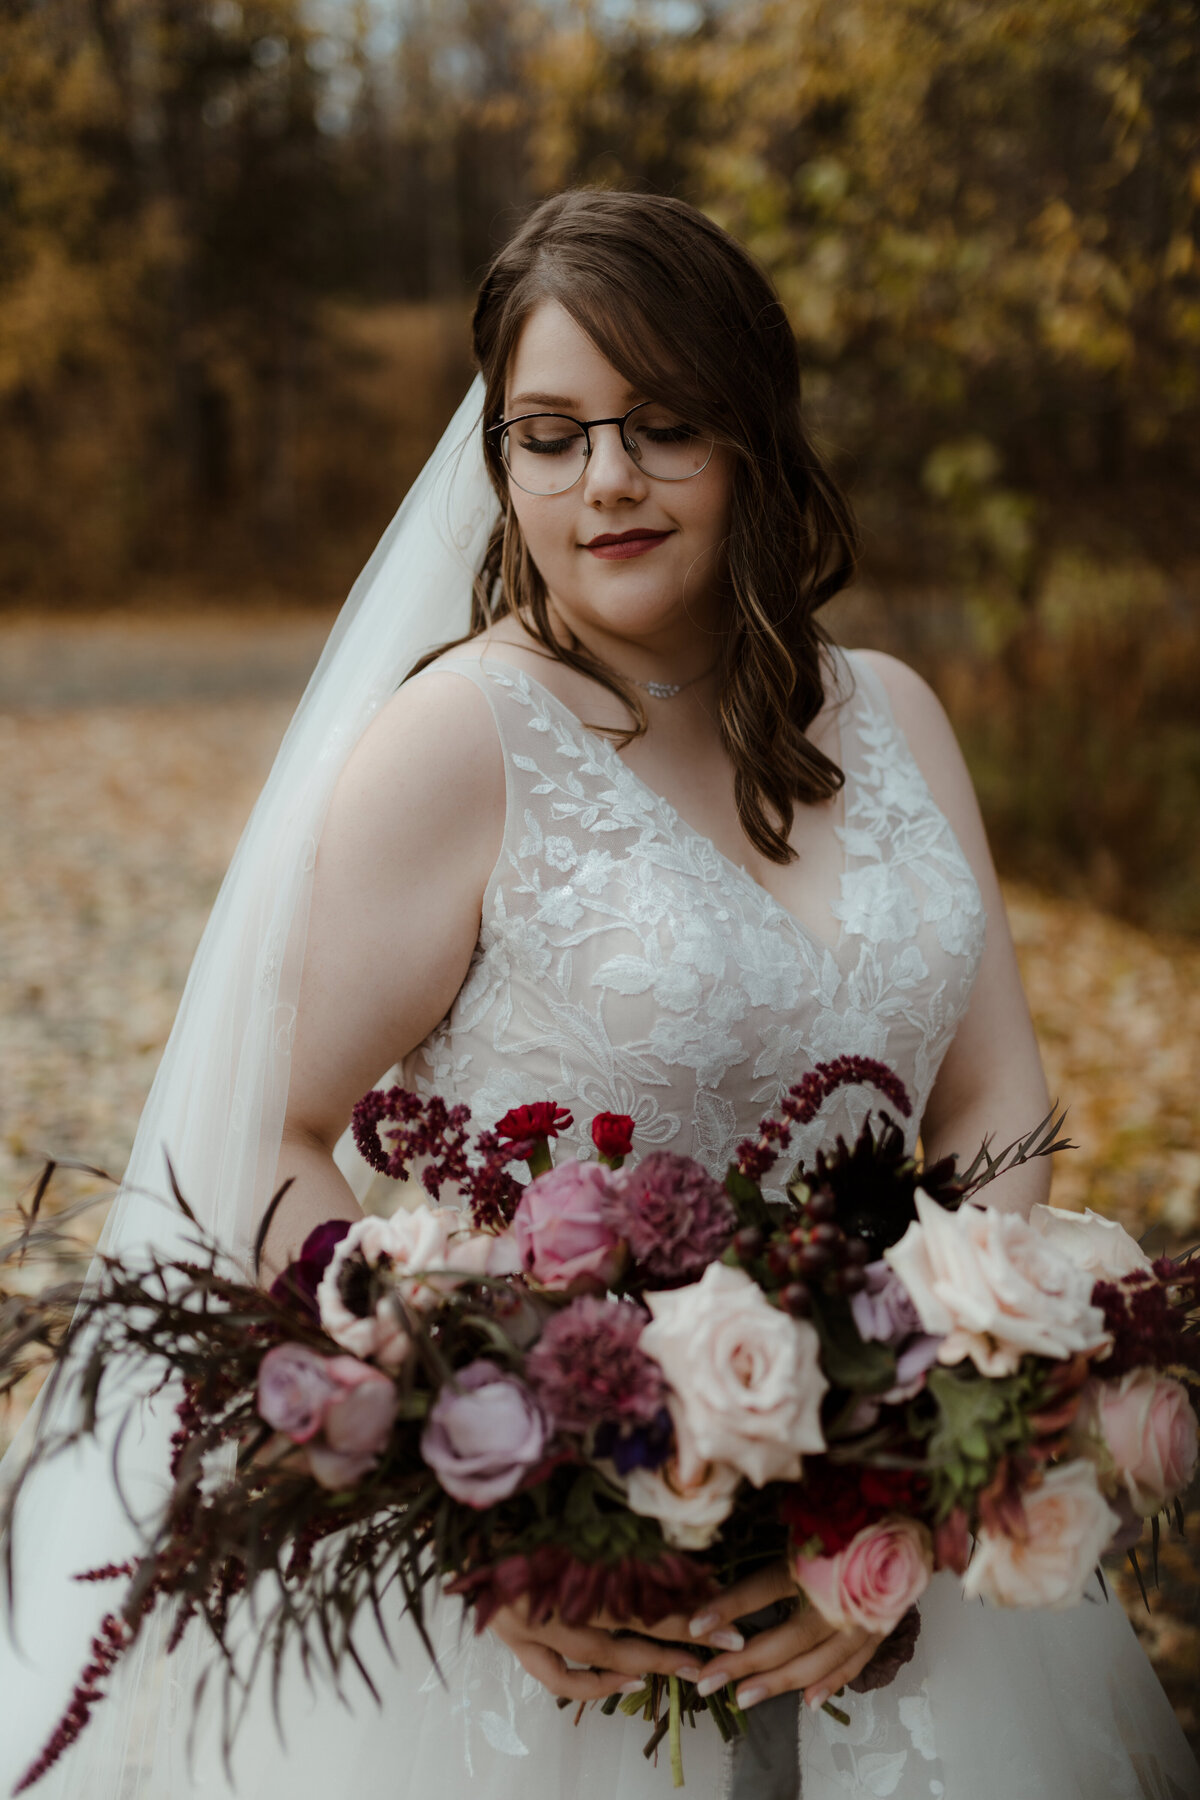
(237, 248)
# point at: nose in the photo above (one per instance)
(611, 475)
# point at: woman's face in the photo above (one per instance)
(660, 591)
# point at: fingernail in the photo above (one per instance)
(709, 1684)
(703, 1622)
(727, 1640)
(816, 1699)
(748, 1697)
(689, 1672)
(632, 1687)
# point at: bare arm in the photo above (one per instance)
(991, 1081)
(413, 832)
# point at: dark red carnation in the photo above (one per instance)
(542, 1120)
(612, 1134)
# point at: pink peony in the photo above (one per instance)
(994, 1288)
(587, 1367)
(747, 1378)
(1068, 1528)
(484, 1433)
(675, 1218)
(1145, 1431)
(562, 1230)
(884, 1569)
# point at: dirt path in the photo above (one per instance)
(132, 751)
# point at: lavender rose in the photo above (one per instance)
(341, 1409)
(294, 1388)
(562, 1230)
(484, 1434)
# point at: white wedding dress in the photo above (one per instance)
(625, 965)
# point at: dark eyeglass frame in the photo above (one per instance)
(587, 426)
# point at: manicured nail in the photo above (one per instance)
(689, 1672)
(816, 1699)
(632, 1687)
(710, 1684)
(703, 1622)
(748, 1697)
(727, 1640)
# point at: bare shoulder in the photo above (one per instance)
(428, 773)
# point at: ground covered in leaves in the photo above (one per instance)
(132, 751)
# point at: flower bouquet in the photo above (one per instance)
(616, 1387)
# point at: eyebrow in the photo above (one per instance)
(557, 402)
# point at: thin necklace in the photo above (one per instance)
(667, 690)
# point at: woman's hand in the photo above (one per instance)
(805, 1652)
(610, 1664)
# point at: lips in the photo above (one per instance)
(612, 546)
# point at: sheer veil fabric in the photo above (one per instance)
(217, 1106)
(994, 1707)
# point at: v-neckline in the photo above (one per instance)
(681, 826)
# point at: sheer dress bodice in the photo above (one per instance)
(626, 965)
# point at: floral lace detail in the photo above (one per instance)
(625, 965)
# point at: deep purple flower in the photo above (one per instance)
(298, 1283)
(586, 1367)
(630, 1447)
(485, 1431)
(675, 1218)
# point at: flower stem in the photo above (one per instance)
(835, 1712)
(676, 1745)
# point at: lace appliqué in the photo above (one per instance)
(625, 965)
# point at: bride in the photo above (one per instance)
(639, 841)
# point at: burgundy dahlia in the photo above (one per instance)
(587, 1369)
(675, 1218)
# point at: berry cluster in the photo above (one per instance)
(815, 1252)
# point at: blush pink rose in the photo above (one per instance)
(562, 1230)
(994, 1288)
(1099, 1246)
(1069, 1526)
(1146, 1432)
(746, 1378)
(872, 1583)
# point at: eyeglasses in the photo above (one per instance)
(546, 453)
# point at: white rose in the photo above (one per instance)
(1099, 1246)
(746, 1377)
(994, 1288)
(690, 1498)
(1070, 1525)
(410, 1240)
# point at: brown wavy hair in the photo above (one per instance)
(686, 316)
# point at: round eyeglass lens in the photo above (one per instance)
(546, 453)
(664, 445)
